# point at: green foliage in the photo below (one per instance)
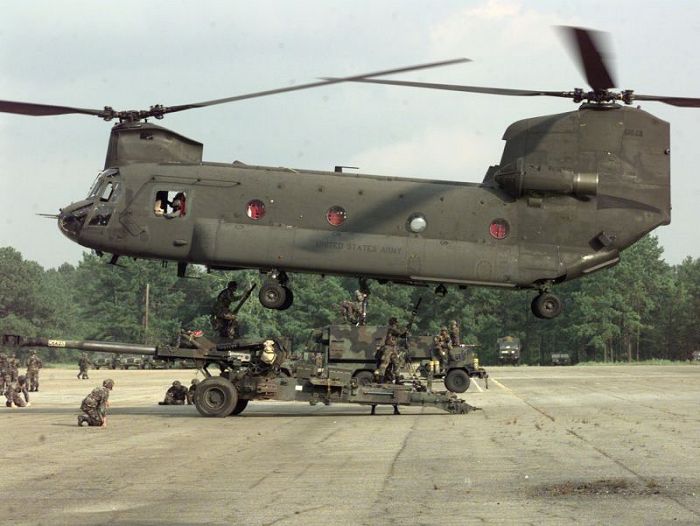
(641, 309)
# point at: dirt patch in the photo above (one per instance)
(601, 487)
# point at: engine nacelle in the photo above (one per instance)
(517, 180)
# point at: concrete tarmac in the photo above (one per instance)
(569, 445)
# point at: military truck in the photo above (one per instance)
(260, 370)
(354, 348)
(109, 362)
(561, 358)
(508, 349)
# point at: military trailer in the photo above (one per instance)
(261, 370)
(354, 348)
(561, 358)
(508, 348)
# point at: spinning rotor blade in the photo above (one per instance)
(40, 110)
(158, 111)
(589, 48)
(324, 82)
(685, 102)
(470, 89)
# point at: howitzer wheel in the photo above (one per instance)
(457, 380)
(216, 396)
(240, 407)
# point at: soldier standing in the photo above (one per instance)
(17, 394)
(175, 395)
(442, 347)
(191, 391)
(3, 373)
(12, 369)
(95, 405)
(224, 321)
(355, 312)
(84, 363)
(454, 334)
(34, 363)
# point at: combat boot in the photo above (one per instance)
(81, 420)
(396, 410)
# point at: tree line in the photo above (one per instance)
(641, 309)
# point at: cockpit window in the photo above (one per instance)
(107, 191)
(170, 204)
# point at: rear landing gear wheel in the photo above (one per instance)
(215, 396)
(288, 300)
(546, 306)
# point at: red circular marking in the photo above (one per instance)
(255, 209)
(336, 215)
(499, 229)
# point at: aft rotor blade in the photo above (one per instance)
(40, 110)
(171, 109)
(685, 102)
(470, 89)
(590, 49)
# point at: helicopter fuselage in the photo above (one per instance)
(571, 191)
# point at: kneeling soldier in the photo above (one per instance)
(95, 405)
(175, 395)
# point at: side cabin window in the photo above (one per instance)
(170, 204)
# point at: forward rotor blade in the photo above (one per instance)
(470, 89)
(41, 110)
(325, 82)
(685, 102)
(589, 48)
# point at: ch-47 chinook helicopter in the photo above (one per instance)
(571, 191)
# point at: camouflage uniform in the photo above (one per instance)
(34, 363)
(17, 394)
(3, 373)
(84, 363)
(388, 354)
(352, 311)
(175, 395)
(11, 369)
(95, 405)
(223, 320)
(454, 334)
(191, 391)
(442, 347)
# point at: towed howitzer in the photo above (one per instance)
(259, 370)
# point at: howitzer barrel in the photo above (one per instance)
(83, 345)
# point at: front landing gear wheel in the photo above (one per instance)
(274, 295)
(546, 306)
(215, 396)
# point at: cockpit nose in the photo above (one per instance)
(72, 218)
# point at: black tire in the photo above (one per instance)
(546, 306)
(272, 295)
(289, 300)
(240, 406)
(215, 396)
(364, 377)
(457, 380)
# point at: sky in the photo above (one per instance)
(133, 54)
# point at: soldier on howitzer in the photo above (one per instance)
(355, 312)
(17, 394)
(95, 405)
(442, 345)
(454, 334)
(388, 354)
(34, 363)
(224, 321)
(175, 395)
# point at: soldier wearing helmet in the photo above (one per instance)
(175, 395)
(84, 364)
(191, 391)
(34, 363)
(95, 405)
(223, 320)
(454, 334)
(17, 394)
